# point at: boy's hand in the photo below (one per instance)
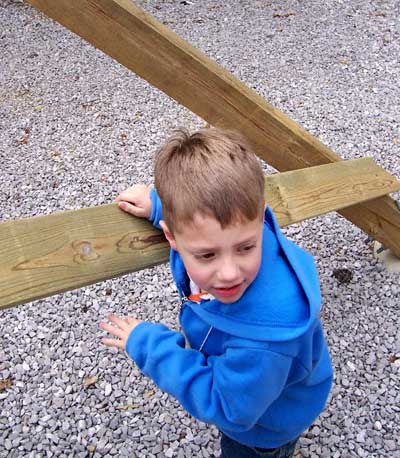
(136, 201)
(120, 329)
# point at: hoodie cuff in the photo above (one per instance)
(139, 341)
(156, 209)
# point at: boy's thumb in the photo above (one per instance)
(131, 209)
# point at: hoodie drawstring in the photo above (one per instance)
(205, 338)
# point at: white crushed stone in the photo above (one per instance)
(76, 128)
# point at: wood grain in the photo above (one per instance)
(302, 194)
(50, 254)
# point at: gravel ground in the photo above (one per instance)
(76, 128)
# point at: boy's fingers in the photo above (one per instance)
(131, 209)
(113, 343)
(128, 196)
(117, 332)
(117, 320)
(127, 207)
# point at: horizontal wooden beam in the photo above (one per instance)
(141, 43)
(45, 255)
(302, 194)
(50, 254)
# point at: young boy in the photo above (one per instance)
(252, 358)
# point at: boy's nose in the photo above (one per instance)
(228, 274)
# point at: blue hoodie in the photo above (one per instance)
(258, 368)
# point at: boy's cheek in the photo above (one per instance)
(199, 274)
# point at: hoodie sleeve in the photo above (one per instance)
(156, 209)
(232, 390)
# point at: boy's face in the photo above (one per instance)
(223, 262)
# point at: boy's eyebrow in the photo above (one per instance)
(205, 249)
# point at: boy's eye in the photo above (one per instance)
(247, 247)
(206, 256)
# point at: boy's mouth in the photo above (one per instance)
(230, 291)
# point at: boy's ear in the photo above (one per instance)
(168, 234)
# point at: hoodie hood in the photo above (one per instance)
(282, 302)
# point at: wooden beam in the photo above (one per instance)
(50, 254)
(46, 255)
(144, 45)
(141, 43)
(301, 194)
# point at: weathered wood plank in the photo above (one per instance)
(50, 254)
(46, 255)
(144, 45)
(301, 194)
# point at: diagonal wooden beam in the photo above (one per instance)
(50, 254)
(144, 45)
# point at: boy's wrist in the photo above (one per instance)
(135, 330)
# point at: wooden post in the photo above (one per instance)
(50, 254)
(135, 39)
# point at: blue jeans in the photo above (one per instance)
(232, 449)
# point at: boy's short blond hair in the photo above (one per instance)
(213, 172)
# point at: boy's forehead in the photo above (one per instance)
(204, 219)
(205, 228)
